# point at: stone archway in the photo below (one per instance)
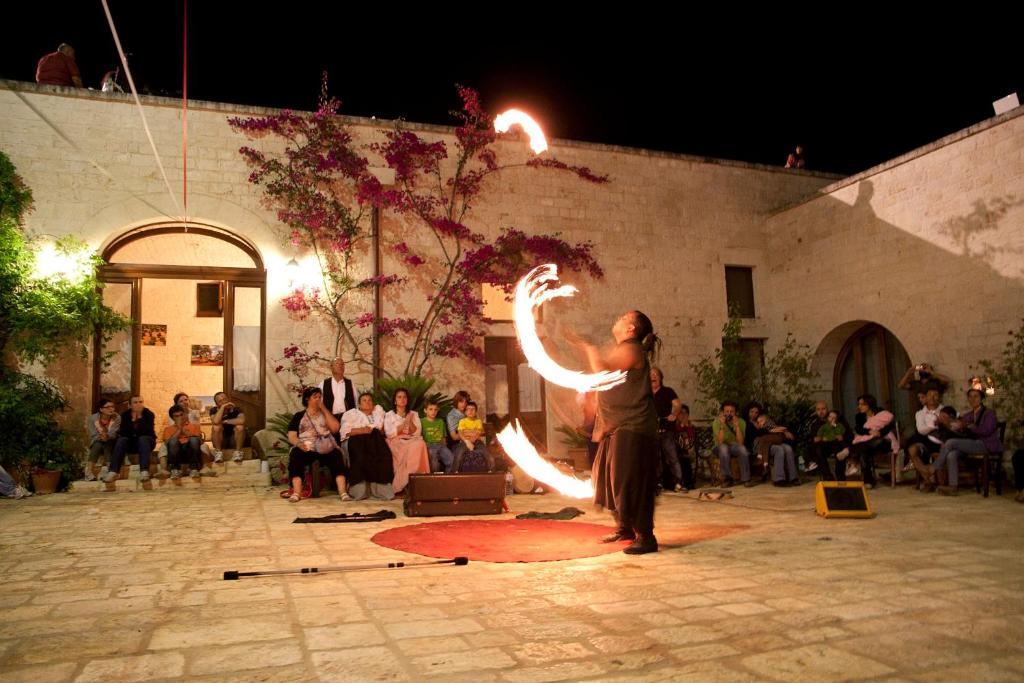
(190, 265)
(863, 357)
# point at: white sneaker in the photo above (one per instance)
(237, 457)
(175, 474)
(89, 476)
(144, 476)
(813, 466)
(194, 474)
(109, 477)
(21, 492)
(218, 456)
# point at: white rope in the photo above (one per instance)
(142, 113)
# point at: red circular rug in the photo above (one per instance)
(504, 540)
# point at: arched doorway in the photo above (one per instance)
(197, 294)
(871, 361)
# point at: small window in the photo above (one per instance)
(210, 300)
(739, 290)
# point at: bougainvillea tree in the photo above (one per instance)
(323, 190)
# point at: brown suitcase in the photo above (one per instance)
(432, 495)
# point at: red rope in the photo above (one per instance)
(184, 110)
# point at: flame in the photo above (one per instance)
(526, 456)
(513, 117)
(532, 291)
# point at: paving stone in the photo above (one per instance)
(419, 629)
(566, 671)
(223, 632)
(343, 635)
(138, 668)
(547, 652)
(461, 662)
(57, 647)
(221, 660)
(814, 663)
(50, 673)
(359, 664)
(412, 647)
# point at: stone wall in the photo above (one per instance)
(875, 248)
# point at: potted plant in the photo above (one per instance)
(576, 442)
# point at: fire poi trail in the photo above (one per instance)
(532, 291)
(514, 117)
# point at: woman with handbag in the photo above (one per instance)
(311, 434)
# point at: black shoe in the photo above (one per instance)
(727, 482)
(780, 484)
(642, 545)
(620, 535)
(749, 483)
(795, 482)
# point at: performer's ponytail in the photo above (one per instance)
(649, 341)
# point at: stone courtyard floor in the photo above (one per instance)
(127, 587)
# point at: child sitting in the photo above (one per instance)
(183, 439)
(434, 428)
(829, 433)
(470, 453)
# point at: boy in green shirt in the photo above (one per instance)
(434, 429)
(831, 430)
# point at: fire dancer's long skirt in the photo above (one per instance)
(625, 479)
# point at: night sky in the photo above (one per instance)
(855, 91)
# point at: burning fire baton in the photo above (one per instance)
(532, 291)
(514, 117)
(234, 576)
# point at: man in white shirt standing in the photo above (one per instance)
(339, 395)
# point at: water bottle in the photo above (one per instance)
(508, 484)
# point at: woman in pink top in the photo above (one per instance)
(408, 449)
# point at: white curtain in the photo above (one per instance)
(496, 386)
(246, 358)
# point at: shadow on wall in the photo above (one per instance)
(945, 294)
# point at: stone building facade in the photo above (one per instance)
(918, 259)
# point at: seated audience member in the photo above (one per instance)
(404, 434)
(228, 427)
(818, 448)
(471, 453)
(59, 68)
(457, 412)
(829, 439)
(183, 439)
(666, 404)
(976, 433)
(926, 442)
(873, 435)
(103, 426)
(774, 446)
(729, 430)
(311, 434)
(371, 467)
(440, 456)
(751, 433)
(921, 377)
(135, 434)
(182, 399)
(686, 437)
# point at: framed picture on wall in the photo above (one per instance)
(209, 299)
(208, 354)
(153, 335)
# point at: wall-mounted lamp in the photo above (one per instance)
(292, 270)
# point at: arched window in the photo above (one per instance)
(872, 361)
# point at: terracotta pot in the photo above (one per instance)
(45, 481)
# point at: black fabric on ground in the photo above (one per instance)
(564, 513)
(354, 517)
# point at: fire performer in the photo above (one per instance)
(625, 473)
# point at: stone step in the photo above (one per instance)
(257, 480)
(228, 475)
